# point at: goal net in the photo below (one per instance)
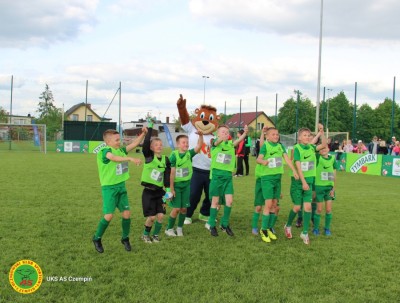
(23, 137)
(290, 140)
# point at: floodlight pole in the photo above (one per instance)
(240, 114)
(225, 113)
(204, 97)
(255, 135)
(327, 112)
(119, 117)
(11, 99)
(393, 105)
(276, 109)
(87, 83)
(355, 113)
(319, 68)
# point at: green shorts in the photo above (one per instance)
(258, 195)
(221, 186)
(271, 187)
(324, 193)
(298, 195)
(114, 196)
(182, 195)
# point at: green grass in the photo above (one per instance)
(51, 205)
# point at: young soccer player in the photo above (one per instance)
(270, 159)
(325, 189)
(112, 164)
(155, 177)
(221, 185)
(181, 174)
(258, 196)
(301, 190)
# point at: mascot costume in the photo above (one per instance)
(206, 121)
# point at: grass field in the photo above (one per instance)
(51, 205)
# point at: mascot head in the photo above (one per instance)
(206, 119)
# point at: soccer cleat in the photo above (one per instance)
(207, 226)
(179, 231)
(271, 235)
(299, 222)
(254, 231)
(213, 231)
(264, 236)
(187, 221)
(228, 230)
(306, 239)
(126, 244)
(203, 218)
(98, 246)
(315, 232)
(155, 239)
(327, 232)
(288, 232)
(273, 230)
(170, 232)
(146, 239)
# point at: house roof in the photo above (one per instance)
(76, 106)
(246, 119)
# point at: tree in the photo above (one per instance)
(3, 115)
(383, 116)
(287, 115)
(49, 114)
(337, 114)
(365, 123)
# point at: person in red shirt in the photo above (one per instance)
(240, 153)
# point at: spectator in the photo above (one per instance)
(348, 147)
(392, 145)
(373, 146)
(257, 148)
(360, 148)
(334, 146)
(396, 149)
(382, 148)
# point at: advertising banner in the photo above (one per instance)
(368, 164)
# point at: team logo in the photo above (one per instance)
(25, 276)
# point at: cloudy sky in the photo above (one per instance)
(158, 49)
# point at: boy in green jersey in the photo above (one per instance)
(301, 190)
(155, 177)
(270, 171)
(221, 185)
(325, 189)
(112, 164)
(181, 174)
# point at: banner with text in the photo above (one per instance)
(368, 164)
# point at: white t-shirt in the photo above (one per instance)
(203, 159)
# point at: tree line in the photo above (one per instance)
(337, 114)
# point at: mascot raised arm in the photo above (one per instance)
(206, 121)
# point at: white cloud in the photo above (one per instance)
(42, 22)
(361, 19)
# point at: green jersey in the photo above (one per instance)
(306, 155)
(325, 171)
(183, 164)
(223, 156)
(153, 172)
(273, 152)
(110, 172)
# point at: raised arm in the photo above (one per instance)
(146, 143)
(241, 138)
(137, 141)
(200, 142)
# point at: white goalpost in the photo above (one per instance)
(23, 137)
